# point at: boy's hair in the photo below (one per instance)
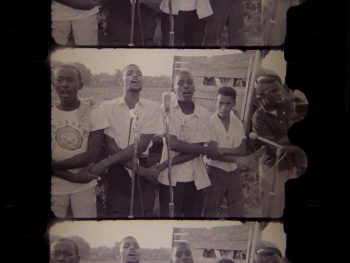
(227, 91)
(130, 65)
(263, 83)
(182, 72)
(71, 66)
(67, 240)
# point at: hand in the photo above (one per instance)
(151, 173)
(213, 153)
(85, 176)
(98, 168)
(222, 151)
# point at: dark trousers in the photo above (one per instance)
(188, 201)
(189, 29)
(119, 24)
(223, 183)
(118, 195)
(229, 13)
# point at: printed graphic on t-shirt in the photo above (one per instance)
(69, 138)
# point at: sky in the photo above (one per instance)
(153, 62)
(149, 233)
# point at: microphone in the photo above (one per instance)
(166, 102)
(254, 136)
(135, 119)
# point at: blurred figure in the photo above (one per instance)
(181, 253)
(76, 18)
(119, 22)
(267, 252)
(225, 13)
(189, 21)
(64, 251)
(274, 20)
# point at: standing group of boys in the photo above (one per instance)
(196, 23)
(204, 149)
(67, 251)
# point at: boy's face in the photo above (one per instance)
(129, 250)
(63, 252)
(224, 106)
(273, 94)
(67, 84)
(132, 78)
(184, 87)
(182, 254)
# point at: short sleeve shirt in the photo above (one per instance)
(69, 137)
(230, 138)
(191, 129)
(114, 117)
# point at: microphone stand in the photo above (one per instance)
(171, 193)
(134, 166)
(171, 22)
(272, 193)
(132, 28)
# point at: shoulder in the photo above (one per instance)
(258, 114)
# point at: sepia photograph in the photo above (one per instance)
(172, 133)
(170, 23)
(162, 241)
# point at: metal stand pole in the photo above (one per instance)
(171, 22)
(132, 28)
(171, 193)
(133, 174)
(272, 193)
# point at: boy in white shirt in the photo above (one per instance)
(188, 129)
(227, 133)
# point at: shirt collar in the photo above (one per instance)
(196, 112)
(141, 101)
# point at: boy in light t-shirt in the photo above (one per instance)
(73, 148)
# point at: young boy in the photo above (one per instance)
(188, 129)
(272, 121)
(73, 147)
(227, 132)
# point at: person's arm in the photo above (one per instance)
(191, 148)
(150, 173)
(85, 158)
(123, 155)
(240, 150)
(82, 177)
(179, 159)
(80, 4)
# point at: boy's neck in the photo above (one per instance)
(187, 106)
(225, 121)
(131, 98)
(69, 107)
